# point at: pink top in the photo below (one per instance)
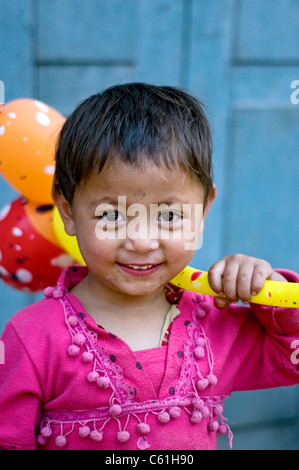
(66, 383)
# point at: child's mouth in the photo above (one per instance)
(139, 269)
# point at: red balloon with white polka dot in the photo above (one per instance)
(28, 261)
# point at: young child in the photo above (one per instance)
(115, 357)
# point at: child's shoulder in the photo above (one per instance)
(37, 334)
(42, 315)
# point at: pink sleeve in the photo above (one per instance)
(267, 356)
(20, 395)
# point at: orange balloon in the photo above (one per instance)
(28, 132)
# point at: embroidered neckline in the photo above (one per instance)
(104, 373)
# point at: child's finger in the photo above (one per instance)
(244, 281)
(215, 276)
(230, 276)
(221, 302)
(261, 273)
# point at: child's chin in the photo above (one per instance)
(142, 290)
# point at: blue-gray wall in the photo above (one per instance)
(239, 57)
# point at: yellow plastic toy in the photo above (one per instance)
(277, 294)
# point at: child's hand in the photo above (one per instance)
(238, 277)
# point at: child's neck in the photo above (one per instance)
(138, 320)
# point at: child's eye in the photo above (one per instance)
(169, 216)
(112, 216)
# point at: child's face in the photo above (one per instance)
(129, 241)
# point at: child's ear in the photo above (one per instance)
(208, 206)
(210, 200)
(65, 211)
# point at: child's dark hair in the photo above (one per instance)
(136, 123)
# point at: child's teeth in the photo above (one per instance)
(140, 267)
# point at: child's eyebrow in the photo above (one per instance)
(174, 200)
(114, 201)
(104, 200)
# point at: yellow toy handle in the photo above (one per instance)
(277, 294)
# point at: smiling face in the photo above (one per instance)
(131, 254)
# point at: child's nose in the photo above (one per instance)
(141, 246)
(141, 240)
